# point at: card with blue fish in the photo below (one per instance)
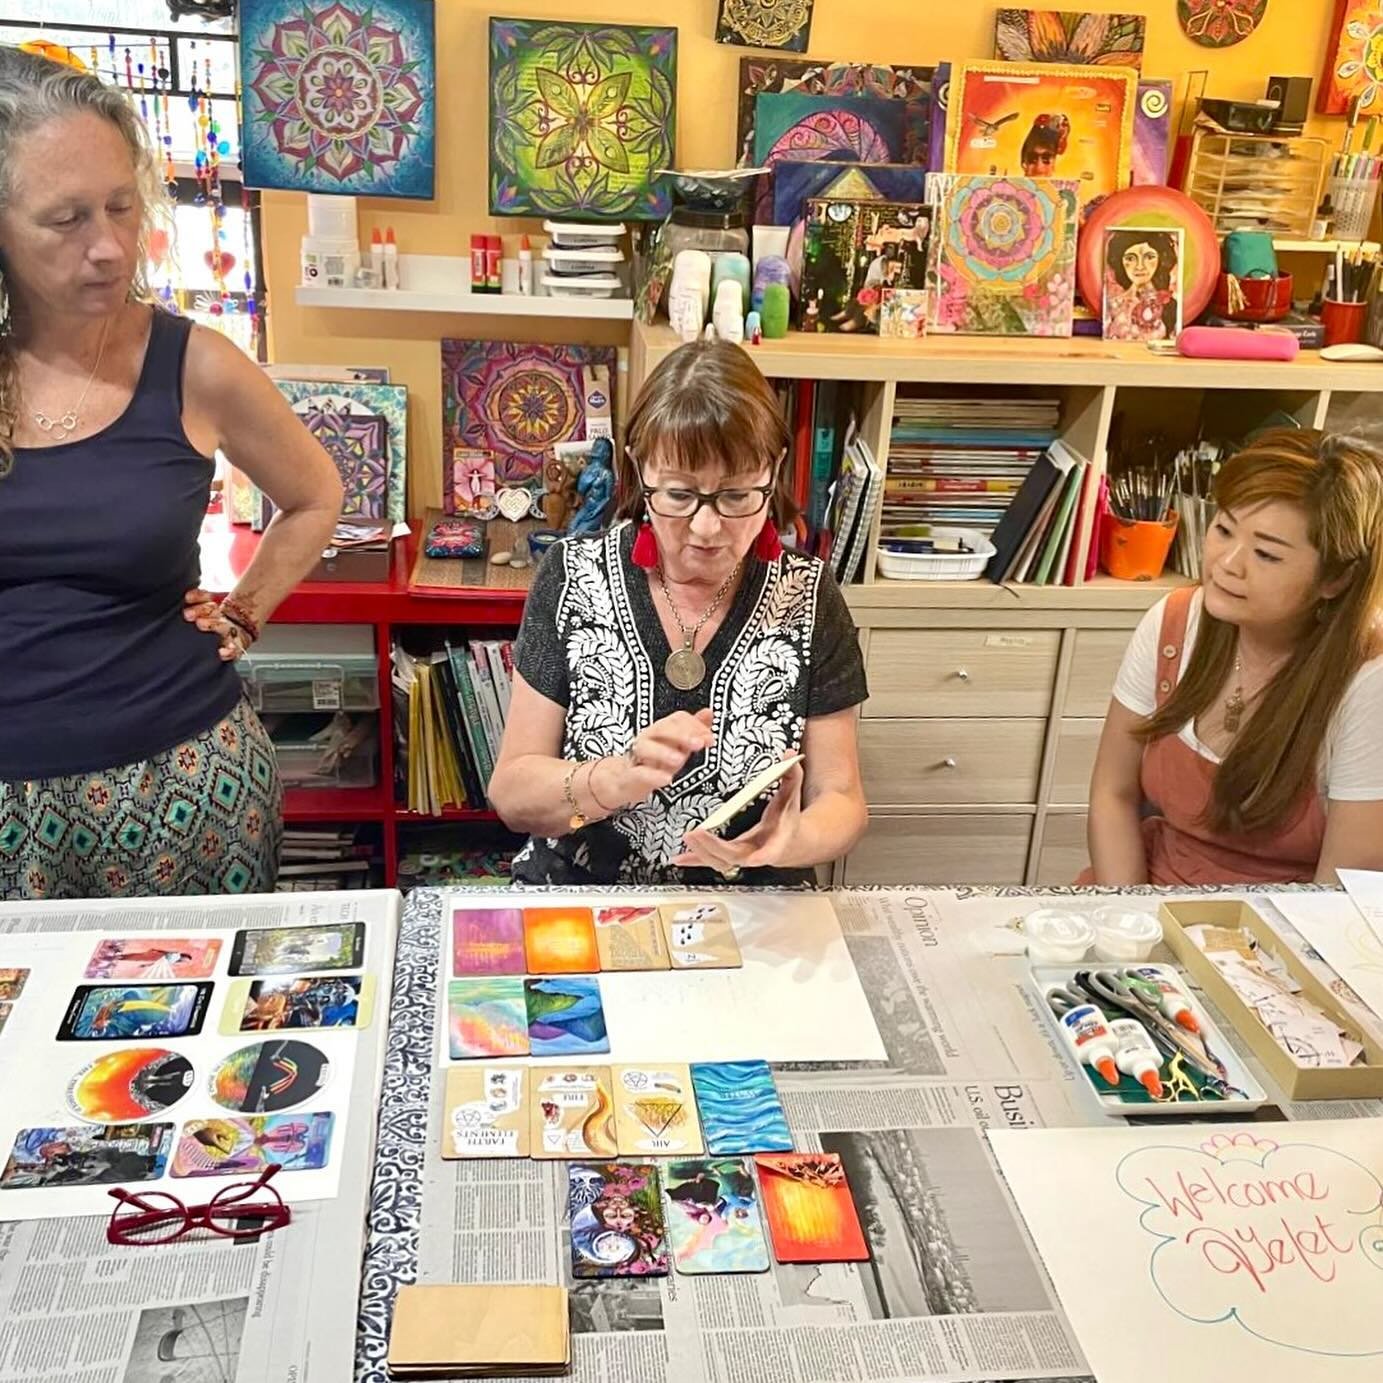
(714, 1224)
(740, 1108)
(565, 1016)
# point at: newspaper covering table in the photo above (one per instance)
(75, 1308)
(954, 1290)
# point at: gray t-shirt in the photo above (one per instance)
(592, 642)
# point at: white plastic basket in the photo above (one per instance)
(940, 566)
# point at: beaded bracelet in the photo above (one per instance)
(234, 612)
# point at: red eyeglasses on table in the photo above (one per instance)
(242, 1210)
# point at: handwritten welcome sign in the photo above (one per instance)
(1275, 1236)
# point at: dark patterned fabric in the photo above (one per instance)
(203, 817)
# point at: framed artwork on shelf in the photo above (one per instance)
(1353, 60)
(517, 400)
(311, 399)
(1142, 283)
(795, 181)
(339, 96)
(785, 24)
(583, 118)
(1043, 120)
(1070, 36)
(1004, 257)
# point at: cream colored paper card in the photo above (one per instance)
(754, 788)
(700, 936)
(479, 1328)
(655, 1111)
(1221, 1251)
(631, 939)
(485, 1112)
(572, 1112)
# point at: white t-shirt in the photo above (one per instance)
(1351, 768)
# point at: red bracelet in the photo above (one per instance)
(232, 610)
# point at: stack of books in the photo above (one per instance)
(959, 462)
(450, 706)
(325, 858)
(1036, 541)
(854, 500)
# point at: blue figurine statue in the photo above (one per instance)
(596, 487)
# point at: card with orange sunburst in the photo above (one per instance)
(811, 1214)
(560, 941)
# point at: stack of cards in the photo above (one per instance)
(479, 1331)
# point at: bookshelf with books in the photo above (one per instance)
(987, 698)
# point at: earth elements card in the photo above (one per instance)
(573, 1112)
(810, 1212)
(560, 941)
(713, 1219)
(700, 936)
(485, 1112)
(486, 1018)
(631, 939)
(487, 941)
(617, 1226)
(655, 1111)
(740, 1108)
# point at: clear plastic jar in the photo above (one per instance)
(715, 232)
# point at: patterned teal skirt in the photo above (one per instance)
(203, 817)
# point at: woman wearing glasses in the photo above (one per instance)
(665, 663)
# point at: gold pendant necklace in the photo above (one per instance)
(65, 424)
(685, 668)
(1234, 702)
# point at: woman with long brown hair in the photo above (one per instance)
(664, 664)
(1244, 742)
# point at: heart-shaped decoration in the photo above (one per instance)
(513, 504)
(227, 261)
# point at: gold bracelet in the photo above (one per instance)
(595, 797)
(578, 817)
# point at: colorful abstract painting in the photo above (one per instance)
(783, 24)
(339, 96)
(1220, 23)
(1353, 60)
(797, 180)
(565, 1016)
(912, 85)
(858, 129)
(582, 119)
(1043, 120)
(1005, 257)
(1112, 40)
(359, 445)
(311, 398)
(516, 400)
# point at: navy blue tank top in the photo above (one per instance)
(98, 542)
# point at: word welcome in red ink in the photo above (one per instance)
(1240, 1241)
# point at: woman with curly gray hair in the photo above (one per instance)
(130, 763)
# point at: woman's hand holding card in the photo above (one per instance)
(772, 841)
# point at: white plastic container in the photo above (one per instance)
(573, 235)
(1057, 937)
(596, 260)
(329, 262)
(1125, 935)
(332, 218)
(587, 286)
(940, 566)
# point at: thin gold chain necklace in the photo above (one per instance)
(685, 668)
(66, 424)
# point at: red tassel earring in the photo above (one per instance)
(645, 553)
(767, 545)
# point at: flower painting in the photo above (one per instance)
(1005, 255)
(1220, 23)
(339, 96)
(582, 119)
(1112, 40)
(1354, 60)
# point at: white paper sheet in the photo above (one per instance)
(796, 998)
(1206, 1254)
(1365, 888)
(1337, 932)
(37, 1068)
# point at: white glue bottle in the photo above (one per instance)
(1172, 1002)
(1087, 1034)
(1137, 1056)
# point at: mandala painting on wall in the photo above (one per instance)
(339, 96)
(360, 402)
(359, 444)
(1353, 60)
(783, 24)
(1113, 40)
(1220, 23)
(516, 401)
(1004, 256)
(582, 119)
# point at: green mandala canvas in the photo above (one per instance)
(582, 119)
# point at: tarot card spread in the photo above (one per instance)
(655, 1111)
(617, 1227)
(713, 1219)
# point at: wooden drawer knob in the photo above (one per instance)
(963, 674)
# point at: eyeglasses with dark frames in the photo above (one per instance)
(730, 502)
(242, 1210)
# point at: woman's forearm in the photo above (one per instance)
(828, 828)
(529, 793)
(290, 548)
(1115, 836)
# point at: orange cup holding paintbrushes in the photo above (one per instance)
(1136, 549)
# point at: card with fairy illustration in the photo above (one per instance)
(714, 1223)
(617, 1226)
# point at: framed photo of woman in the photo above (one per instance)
(1142, 284)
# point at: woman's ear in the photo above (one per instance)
(1338, 584)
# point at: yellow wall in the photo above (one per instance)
(1291, 41)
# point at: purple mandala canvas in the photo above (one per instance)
(358, 443)
(339, 96)
(516, 401)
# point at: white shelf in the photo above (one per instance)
(442, 283)
(1322, 247)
